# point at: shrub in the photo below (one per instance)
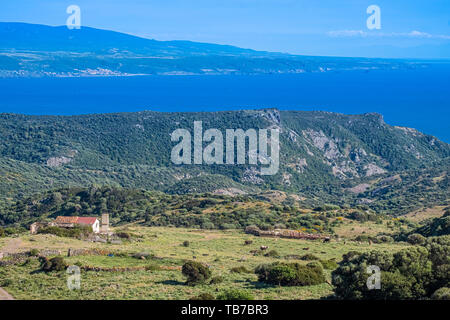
(186, 243)
(123, 235)
(329, 264)
(272, 254)
(34, 252)
(441, 294)
(54, 264)
(416, 238)
(75, 232)
(309, 257)
(252, 229)
(227, 226)
(412, 273)
(240, 269)
(12, 231)
(291, 274)
(195, 272)
(385, 239)
(208, 225)
(235, 294)
(204, 296)
(216, 280)
(7, 283)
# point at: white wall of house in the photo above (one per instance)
(96, 226)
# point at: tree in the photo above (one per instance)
(412, 273)
(195, 272)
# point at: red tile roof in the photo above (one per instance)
(86, 220)
(68, 220)
(76, 220)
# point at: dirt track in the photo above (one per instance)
(5, 295)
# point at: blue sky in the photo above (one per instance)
(409, 28)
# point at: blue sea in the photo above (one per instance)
(418, 98)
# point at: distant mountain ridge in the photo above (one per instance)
(324, 157)
(24, 36)
(39, 50)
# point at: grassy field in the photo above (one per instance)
(221, 250)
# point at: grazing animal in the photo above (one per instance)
(264, 247)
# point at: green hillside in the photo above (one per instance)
(324, 157)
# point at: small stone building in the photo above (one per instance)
(70, 222)
(67, 222)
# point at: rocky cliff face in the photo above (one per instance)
(321, 153)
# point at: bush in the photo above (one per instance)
(216, 280)
(240, 269)
(252, 230)
(235, 294)
(309, 257)
(123, 235)
(441, 294)
(75, 232)
(4, 232)
(272, 254)
(195, 272)
(186, 243)
(329, 264)
(33, 253)
(385, 239)
(204, 296)
(6, 283)
(412, 273)
(416, 238)
(291, 274)
(227, 226)
(54, 264)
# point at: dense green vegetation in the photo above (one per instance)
(291, 274)
(436, 227)
(152, 208)
(325, 158)
(196, 273)
(413, 273)
(78, 232)
(220, 265)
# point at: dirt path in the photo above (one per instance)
(5, 295)
(12, 246)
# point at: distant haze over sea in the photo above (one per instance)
(418, 98)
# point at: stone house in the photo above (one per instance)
(67, 222)
(70, 222)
